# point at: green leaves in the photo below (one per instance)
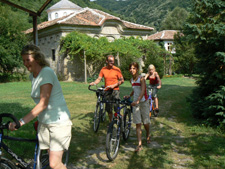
(206, 25)
(125, 51)
(11, 40)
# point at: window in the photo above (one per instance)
(56, 15)
(169, 47)
(53, 54)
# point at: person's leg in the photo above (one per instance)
(115, 96)
(108, 96)
(110, 116)
(55, 160)
(138, 132)
(145, 119)
(156, 103)
(147, 128)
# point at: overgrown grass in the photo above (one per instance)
(182, 141)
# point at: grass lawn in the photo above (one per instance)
(178, 140)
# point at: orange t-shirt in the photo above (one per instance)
(111, 76)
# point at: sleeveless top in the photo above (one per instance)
(153, 81)
(136, 85)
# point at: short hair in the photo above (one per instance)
(135, 64)
(108, 56)
(36, 53)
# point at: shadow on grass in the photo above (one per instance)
(23, 149)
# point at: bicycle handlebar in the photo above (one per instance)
(102, 88)
(126, 101)
(6, 126)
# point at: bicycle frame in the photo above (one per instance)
(117, 115)
(14, 155)
(150, 98)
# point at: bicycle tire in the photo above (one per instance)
(96, 117)
(45, 159)
(103, 113)
(6, 164)
(65, 158)
(112, 141)
(153, 109)
(127, 124)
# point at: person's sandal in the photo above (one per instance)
(139, 148)
(148, 140)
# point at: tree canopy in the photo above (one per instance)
(206, 29)
(12, 39)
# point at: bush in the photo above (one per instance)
(12, 77)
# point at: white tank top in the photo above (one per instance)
(136, 85)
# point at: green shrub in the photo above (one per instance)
(12, 77)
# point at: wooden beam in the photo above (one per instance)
(20, 7)
(43, 7)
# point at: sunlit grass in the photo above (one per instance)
(181, 138)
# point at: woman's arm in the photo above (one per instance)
(45, 93)
(159, 80)
(146, 76)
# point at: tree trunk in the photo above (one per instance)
(85, 68)
(170, 65)
(118, 58)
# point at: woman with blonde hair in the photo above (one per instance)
(154, 83)
(54, 124)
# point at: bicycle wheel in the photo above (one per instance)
(127, 124)
(6, 164)
(153, 109)
(44, 159)
(65, 157)
(97, 117)
(112, 140)
(103, 113)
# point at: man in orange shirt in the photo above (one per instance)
(113, 78)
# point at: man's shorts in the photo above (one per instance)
(141, 113)
(111, 95)
(55, 137)
(154, 90)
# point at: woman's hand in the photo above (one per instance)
(158, 87)
(135, 103)
(12, 126)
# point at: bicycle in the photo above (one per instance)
(100, 112)
(41, 158)
(120, 123)
(151, 103)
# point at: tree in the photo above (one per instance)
(12, 39)
(185, 55)
(207, 31)
(175, 19)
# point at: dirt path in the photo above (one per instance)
(97, 158)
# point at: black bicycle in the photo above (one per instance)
(121, 123)
(41, 158)
(100, 112)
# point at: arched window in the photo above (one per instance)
(56, 15)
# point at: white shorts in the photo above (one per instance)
(141, 113)
(55, 137)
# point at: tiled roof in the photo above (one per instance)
(163, 35)
(88, 17)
